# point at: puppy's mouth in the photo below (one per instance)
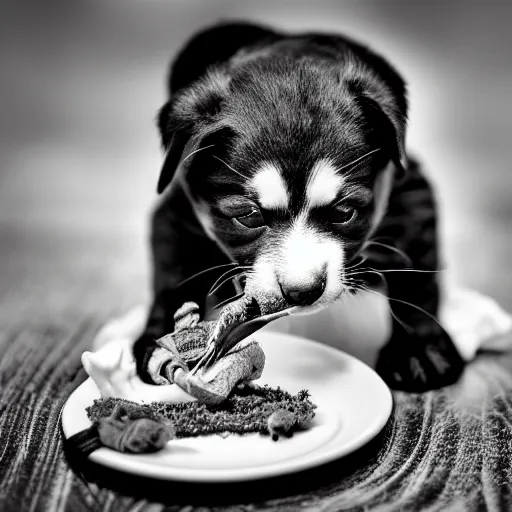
(247, 313)
(238, 319)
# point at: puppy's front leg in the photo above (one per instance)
(420, 354)
(180, 250)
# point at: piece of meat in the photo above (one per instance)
(241, 363)
(142, 435)
(240, 319)
(281, 422)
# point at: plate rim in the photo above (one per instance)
(132, 465)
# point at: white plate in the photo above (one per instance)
(353, 402)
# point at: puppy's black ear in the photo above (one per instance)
(190, 113)
(163, 121)
(384, 132)
(198, 84)
(213, 45)
(174, 152)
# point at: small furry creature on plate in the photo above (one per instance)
(208, 359)
(226, 402)
(286, 165)
(140, 435)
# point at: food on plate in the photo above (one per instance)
(281, 422)
(216, 364)
(134, 435)
(208, 359)
(246, 410)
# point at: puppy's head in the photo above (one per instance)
(288, 165)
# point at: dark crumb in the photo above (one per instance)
(245, 411)
(281, 422)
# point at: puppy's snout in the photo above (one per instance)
(303, 295)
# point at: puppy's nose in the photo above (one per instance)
(303, 295)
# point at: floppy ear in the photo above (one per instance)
(213, 45)
(380, 93)
(385, 130)
(186, 116)
(174, 152)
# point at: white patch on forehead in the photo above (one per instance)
(323, 185)
(270, 187)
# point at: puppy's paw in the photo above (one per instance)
(420, 362)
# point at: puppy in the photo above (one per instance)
(286, 169)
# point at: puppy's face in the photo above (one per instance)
(289, 175)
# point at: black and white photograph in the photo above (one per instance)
(254, 256)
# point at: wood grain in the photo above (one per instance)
(448, 448)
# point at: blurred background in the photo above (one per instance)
(81, 83)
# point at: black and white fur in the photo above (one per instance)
(285, 154)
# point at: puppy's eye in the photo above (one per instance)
(253, 219)
(342, 214)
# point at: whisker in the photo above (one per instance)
(227, 301)
(357, 160)
(229, 167)
(371, 270)
(391, 248)
(412, 306)
(355, 285)
(358, 264)
(197, 274)
(224, 281)
(411, 270)
(406, 327)
(364, 271)
(196, 151)
(229, 274)
(364, 288)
